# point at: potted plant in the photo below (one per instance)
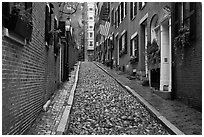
(153, 54)
(20, 21)
(182, 41)
(133, 59)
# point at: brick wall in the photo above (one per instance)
(29, 76)
(133, 26)
(187, 75)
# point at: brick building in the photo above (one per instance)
(187, 67)
(141, 39)
(33, 60)
(89, 16)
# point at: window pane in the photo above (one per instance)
(131, 10)
(135, 8)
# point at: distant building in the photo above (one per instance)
(89, 29)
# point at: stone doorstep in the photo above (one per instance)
(163, 94)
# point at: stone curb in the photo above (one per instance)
(170, 127)
(65, 116)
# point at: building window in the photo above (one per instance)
(112, 17)
(133, 10)
(56, 37)
(123, 44)
(91, 34)
(125, 8)
(91, 9)
(48, 23)
(134, 47)
(119, 15)
(90, 43)
(122, 10)
(17, 17)
(91, 18)
(142, 5)
(116, 18)
(90, 26)
(185, 17)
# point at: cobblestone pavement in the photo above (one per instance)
(187, 119)
(102, 107)
(47, 122)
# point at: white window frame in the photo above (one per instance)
(133, 45)
(123, 41)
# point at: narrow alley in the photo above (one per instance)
(101, 106)
(101, 68)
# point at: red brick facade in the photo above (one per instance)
(30, 75)
(187, 73)
(184, 81)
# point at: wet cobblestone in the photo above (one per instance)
(102, 107)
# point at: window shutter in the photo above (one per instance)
(136, 47)
(122, 10)
(131, 47)
(116, 20)
(177, 16)
(118, 15)
(62, 28)
(55, 37)
(193, 20)
(126, 42)
(120, 44)
(140, 5)
(5, 14)
(46, 23)
(135, 8)
(131, 10)
(28, 5)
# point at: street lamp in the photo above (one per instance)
(68, 24)
(68, 39)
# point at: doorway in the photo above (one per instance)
(165, 77)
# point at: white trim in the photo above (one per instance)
(48, 6)
(170, 57)
(143, 18)
(57, 20)
(133, 35)
(116, 34)
(123, 32)
(13, 37)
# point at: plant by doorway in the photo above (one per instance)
(153, 54)
(181, 42)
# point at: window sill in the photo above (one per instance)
(133, 18)
(141, 8)
(14, 37)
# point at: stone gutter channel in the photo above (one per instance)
(169, 126)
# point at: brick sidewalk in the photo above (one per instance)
(187, 119)
(48, 122)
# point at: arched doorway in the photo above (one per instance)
(154, 68)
